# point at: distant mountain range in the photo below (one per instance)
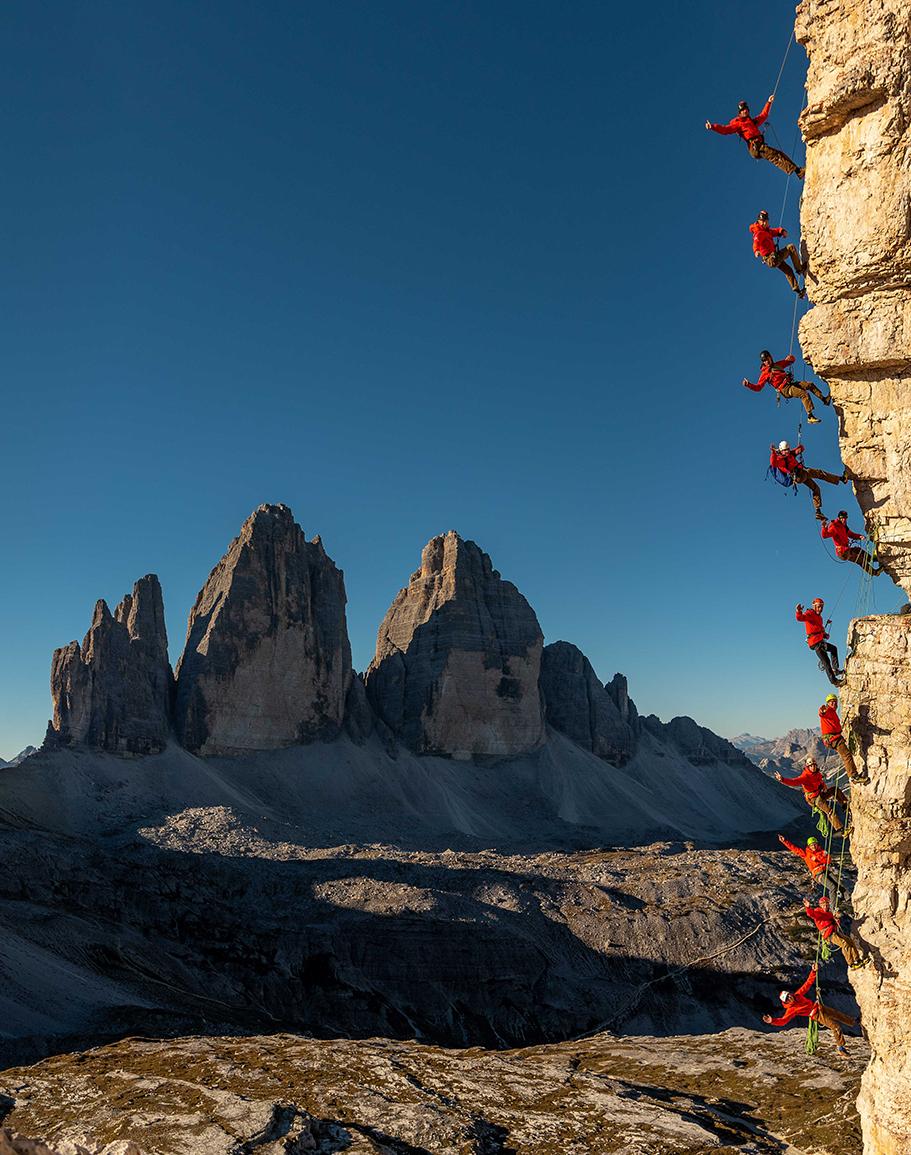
(786, 755)
(20, 757)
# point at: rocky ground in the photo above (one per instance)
(738, 1091)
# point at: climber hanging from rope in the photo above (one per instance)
(816, 640)
(796, 1003)
(747, 128)
(829, 927)
(830, 728)
(787, 468)
(765, 247)
(781, 378)
(817, 861)
(817, 795)
(841, 536)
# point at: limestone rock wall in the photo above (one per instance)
(877, 701)
(578, 705)
(267, 662)
(458, 657)
(114, 691)
(856, 220)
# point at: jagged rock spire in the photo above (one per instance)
(458, 657)
(114, 691)
(267, 662)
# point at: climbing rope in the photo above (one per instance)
(783, 62)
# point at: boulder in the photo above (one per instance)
(458, 657)
(114, 691)
(579, 706)
(267, 662)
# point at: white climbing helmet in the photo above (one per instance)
(784, 995)
(783, 446)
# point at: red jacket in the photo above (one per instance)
(816, 631)
(811, 781)
(788, 461)
(826, 922)
(764, 238)
(829, 722)
(746, 127)
(840, 535)
(774, 374)
(799, 1004)
(815, 857)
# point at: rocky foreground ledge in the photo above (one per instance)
(736, 1091)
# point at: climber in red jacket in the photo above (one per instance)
(830, 729)
(828, 926)
(816, 640)
(817, 794)
(787, 467)
(747, 128)
(765, 246)
(781, 378)
(817, 861)
(797, 1003)
(842, 537)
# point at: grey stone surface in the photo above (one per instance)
(458, 657)
(114, 691)
(267, 662)
(579, 706)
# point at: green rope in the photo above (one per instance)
(812, 1037)
(821, 824)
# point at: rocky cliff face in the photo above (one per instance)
(877, 699)
(458, 657)
(856, 220)
(580, 707)
(114, 691)
(267, 661)
(857, 223)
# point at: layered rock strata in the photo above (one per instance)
(267, 662)
(458, 657)
(580, 707)
(877, 702)
(856, 220)
(114, 691)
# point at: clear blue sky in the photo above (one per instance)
(407, 267)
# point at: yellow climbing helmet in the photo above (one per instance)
(831, 697)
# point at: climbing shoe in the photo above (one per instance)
(801, 293)
(800, 173)
(820, 516)
(842, 1050)
(856, 966)
(827, 400)
(844, 477)
(812, 421)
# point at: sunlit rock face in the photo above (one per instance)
(267, 661)
(458, 657)
(856, 220)
(877, 699)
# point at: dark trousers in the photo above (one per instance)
(759, 150)
(860, 557)
(802, 390)
(807, 477)
(828, 660)
(779, 260)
